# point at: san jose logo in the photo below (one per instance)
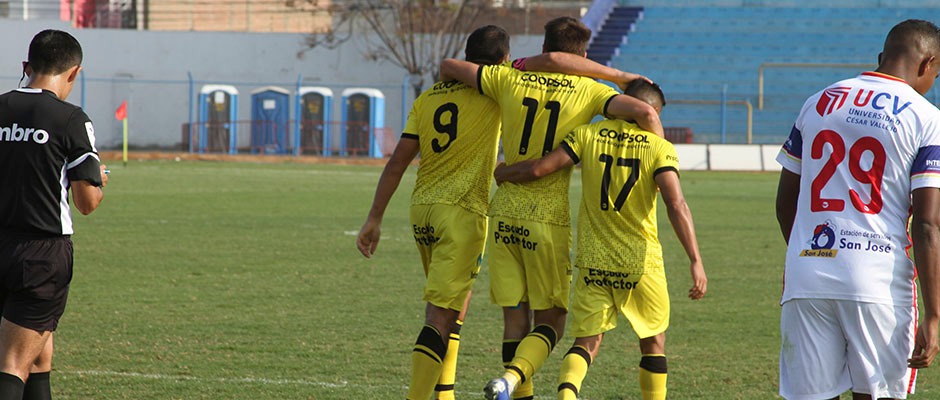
(824, 237)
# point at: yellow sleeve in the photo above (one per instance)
(412, 124)
(668, 159)
(601, 95)
(573, 144)
(490, 78)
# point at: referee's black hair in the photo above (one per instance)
(650, 93)
(487, 45)
(53, 52)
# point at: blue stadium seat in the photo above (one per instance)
(613, 33)
(696, 53)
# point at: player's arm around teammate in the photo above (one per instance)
(530, 170)
(620, 106)
(629, 108)
(649, 323)
(676, 207)
(567, 63)
(555, 61)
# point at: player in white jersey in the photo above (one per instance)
(862, 158)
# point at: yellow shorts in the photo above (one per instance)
(529, 262)
(600, 295)
(450, 240)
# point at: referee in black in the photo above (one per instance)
(47, 147)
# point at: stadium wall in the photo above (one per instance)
(728, 157)
(153, 71)
(783, 3)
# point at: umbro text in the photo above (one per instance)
(17, 133)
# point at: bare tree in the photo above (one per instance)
(414, 35)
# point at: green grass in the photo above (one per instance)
(200, 280)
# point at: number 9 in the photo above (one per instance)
(450, 128)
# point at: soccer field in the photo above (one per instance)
(202, 280)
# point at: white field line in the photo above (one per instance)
(263, 381)
(209, 170)
(252, 380)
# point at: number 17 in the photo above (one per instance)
(608, 160)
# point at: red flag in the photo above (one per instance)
(121, 113)
(84, 13)
(65, 10)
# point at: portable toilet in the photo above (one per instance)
(218, 112)
(270, 120)
(363, 114)
(314, 121)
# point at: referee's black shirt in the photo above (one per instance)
(44, 144)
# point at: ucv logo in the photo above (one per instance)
(832, 99)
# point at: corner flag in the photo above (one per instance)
(121, 115)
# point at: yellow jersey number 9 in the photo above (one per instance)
(450, 127)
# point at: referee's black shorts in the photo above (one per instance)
(34, 280)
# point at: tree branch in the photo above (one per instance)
(411, 34)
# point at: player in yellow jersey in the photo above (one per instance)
(619, 257)
(456, 130)
(530, 232)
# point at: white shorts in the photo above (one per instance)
(831, 346)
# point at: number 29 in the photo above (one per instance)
(872, 176)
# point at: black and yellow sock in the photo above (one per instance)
(445, 385)
(532, 352)
(426, 363)
(11, 387)
(37, 387)
(653, 376)
(523, 390)
(573, 370)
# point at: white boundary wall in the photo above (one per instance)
(728, 157)
(150, 69)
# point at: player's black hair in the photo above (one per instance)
(53, 52)
(566, 34)
(650, 93)
(912, 37)
(487, 45)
